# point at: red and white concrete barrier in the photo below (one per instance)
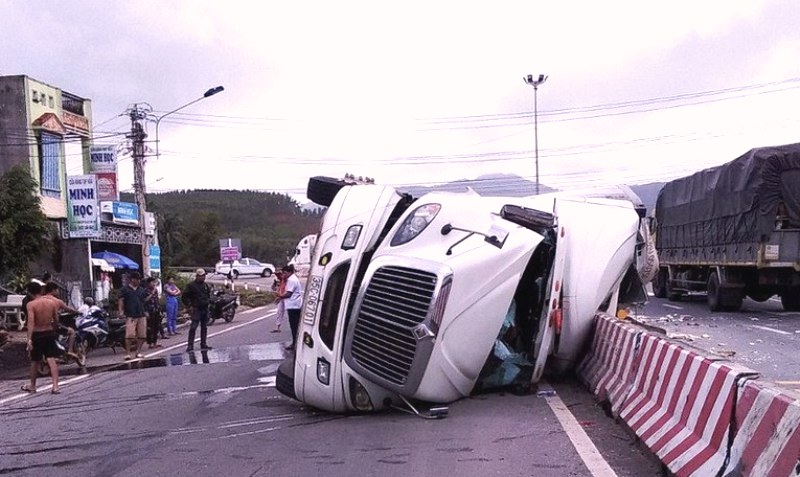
(700, 416)
(767, 441)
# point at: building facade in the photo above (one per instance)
(38, 124)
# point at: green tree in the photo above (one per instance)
(24, 230)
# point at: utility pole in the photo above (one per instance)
(137, 137)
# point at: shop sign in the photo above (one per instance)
(83, 215)
(103, 158)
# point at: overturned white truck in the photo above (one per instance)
(432, 298)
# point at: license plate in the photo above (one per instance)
(312, 299)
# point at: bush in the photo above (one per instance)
(253, 298)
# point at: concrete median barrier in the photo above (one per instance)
(701, 416)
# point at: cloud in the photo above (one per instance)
(321, 87)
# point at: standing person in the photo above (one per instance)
(280, 290)
(131, 308)
(173, 292)
(196, 296)
(294, 299)
(42, 339)
(28, 298)
(151, 307)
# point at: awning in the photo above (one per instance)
(104, 266)
(117, 260)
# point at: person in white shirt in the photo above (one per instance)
(88, 307)
(293, 300)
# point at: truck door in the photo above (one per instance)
(552, 313)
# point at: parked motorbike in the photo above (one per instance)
(97, 330)
(66, 327)
(222, 306)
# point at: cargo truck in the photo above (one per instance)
(732, 231)
(428, 299)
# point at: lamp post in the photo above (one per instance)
(210, 92)
(138, 171)
(535, 83)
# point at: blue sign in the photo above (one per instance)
(125, 212)
(155, 258)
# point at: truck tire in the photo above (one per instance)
(791, 300)
(714, 293)
(660, 283)
(732, 299)
(321, 190)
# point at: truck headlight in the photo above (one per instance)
(323, 371)
(351, 237)
(415, 223)
(359, 396)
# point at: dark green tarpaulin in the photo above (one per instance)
(736, 202)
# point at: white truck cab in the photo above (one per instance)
(301, 260)
(429, 299)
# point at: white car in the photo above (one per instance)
(244, 266)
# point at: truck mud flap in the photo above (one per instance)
(284, 378)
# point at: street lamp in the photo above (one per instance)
(535, 83)
(210, 92)
(138, 168)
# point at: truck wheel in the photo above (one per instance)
(732, 299)
(266, 273)
(321, 190)
(791, 300)
(660, 283)
(235, 274)
(714, 293)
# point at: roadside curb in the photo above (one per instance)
(700, 416)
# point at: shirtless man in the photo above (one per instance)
(42, 317)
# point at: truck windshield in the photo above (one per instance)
(331, 304)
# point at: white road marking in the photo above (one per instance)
(674, 307)
(230, 328)
(260, 431)
(767, 328)
(591, 457)
(47, 387)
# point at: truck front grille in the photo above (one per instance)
(397, 299)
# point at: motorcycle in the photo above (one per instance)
(67, 327)
(222, 305)
(97, 330)
(92, 330)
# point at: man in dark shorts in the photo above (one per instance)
(131, 308)
(42, 337)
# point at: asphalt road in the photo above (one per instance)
(218, 413)
(761, 336)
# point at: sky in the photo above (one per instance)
(419, 93)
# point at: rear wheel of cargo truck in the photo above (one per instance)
(721, 297)
(714, 293)
(791, 300)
